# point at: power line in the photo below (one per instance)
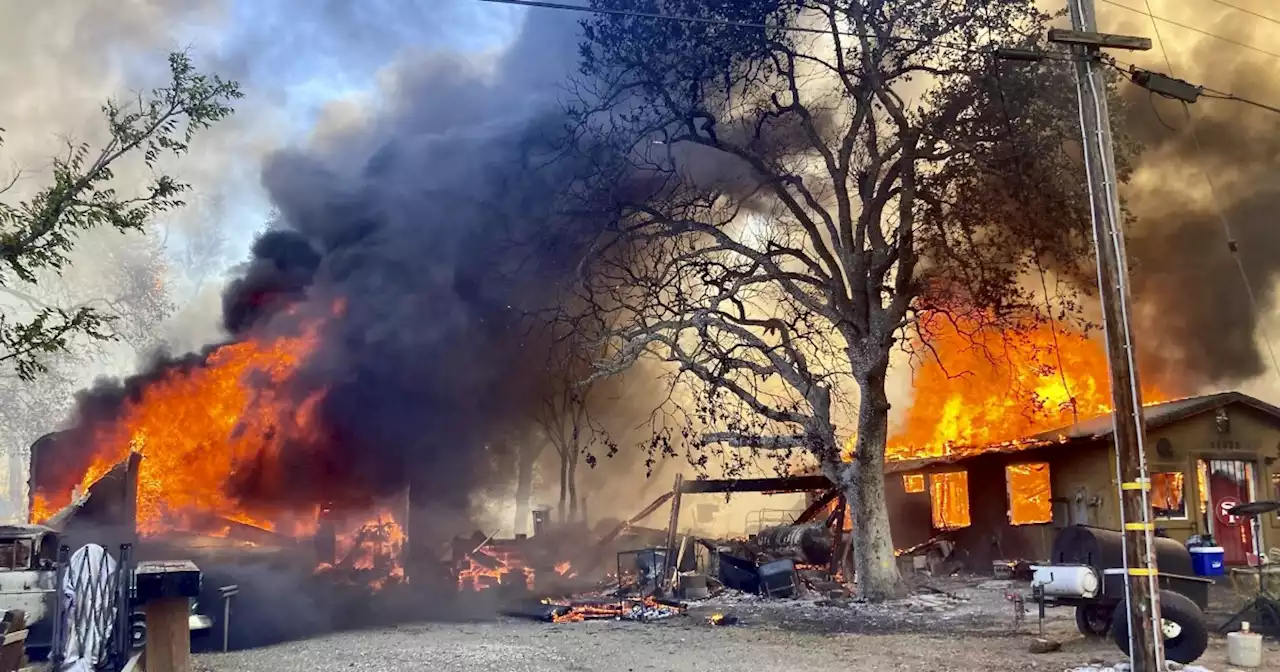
(1233, 247)
(1218, 95)
(1191, 28)
(1238, 8)
(955, 46)
(1195, 90)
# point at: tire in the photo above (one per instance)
(137, 634)
(1094, 620)
(1187, 645)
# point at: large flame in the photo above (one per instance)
(196, 426)
(985, 388)
(370, 552)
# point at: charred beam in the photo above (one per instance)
(817, 506)
(809, 544)
(778, 485)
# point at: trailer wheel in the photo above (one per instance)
(1186, 636)
(1094, 620)
(138, 633)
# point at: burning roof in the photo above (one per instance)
(979, 386)
(1100, 426)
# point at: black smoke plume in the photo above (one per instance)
(434, 223)
(1193, 306)
(437, 228)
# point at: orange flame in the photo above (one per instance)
(987, 388)
(576, 613)
(1029, 493)
(374, 547)
(488, 568)
(196, 426)
(566, 570)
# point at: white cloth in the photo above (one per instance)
(89, 593)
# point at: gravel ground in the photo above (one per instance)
(964, 625)
(967, 627)
(686, 646)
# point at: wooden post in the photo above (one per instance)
(672, 531)
(837, 537)
(166, 590)
(130, 522)
(227, 593)
(1146, 645)
(168, 635)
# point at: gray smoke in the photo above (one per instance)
(1195, 310)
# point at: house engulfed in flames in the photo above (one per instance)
(1006, 501)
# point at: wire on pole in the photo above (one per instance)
(1193, 29)
(1233, 246)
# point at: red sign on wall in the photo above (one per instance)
(1224, 505)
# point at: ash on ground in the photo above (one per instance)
(950, 605)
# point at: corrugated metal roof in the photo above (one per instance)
(1155, 415)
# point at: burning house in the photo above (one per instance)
(375, 341)
(1007, 501)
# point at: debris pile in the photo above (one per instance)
(594, 609)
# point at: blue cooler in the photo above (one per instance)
(1208, 560)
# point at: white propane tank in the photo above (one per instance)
(1066, 580)
(1244, 648)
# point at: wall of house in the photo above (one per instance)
(1079, 484)
(1084, 487)
(1249, 436)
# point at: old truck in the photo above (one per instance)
(28, 581)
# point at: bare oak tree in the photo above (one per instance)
(795, 199)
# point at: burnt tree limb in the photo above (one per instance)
(780, 485)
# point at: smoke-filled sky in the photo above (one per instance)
(337, 76)
(1194, 309)
(60, 59)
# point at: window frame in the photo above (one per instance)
(933, 501)
(913, 478)
(1186, 507)
(1008, 493)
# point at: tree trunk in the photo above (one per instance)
(564, 485)
(863, 483)
(527, 456)
(572, 478)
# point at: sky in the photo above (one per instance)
(304, 70)
(298, 63)
(304, 63)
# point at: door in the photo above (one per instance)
(1229, 483)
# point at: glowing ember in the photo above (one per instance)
(488, 568)
(643, 609)
(371, 552)
(998, 388)
(196, 426)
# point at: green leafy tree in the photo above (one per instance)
(37, 235)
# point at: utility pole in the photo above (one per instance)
(1146, 638)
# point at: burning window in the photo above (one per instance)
(949, 500)
(1168, 495)
(1028, 489)
(913, 483)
